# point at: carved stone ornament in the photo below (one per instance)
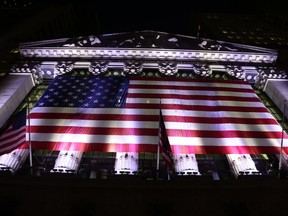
(133, 67)
(64, 67)
(202, 70)
(168, 68)
(235, 71)
(88, 41)
(98, 67)
(268, 73)
(260, 79)
(29, 67)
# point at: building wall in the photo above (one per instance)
(13, 90)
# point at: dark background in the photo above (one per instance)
(172, 16)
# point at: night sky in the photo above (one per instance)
(172, 16)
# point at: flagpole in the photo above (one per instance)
(281, 147)
(29, 135)
(158, 157)
(158, 146)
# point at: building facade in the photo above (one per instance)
(153, 55)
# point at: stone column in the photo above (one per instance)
(67, 162)
(13, 160)
(126, 163)
(186, 164)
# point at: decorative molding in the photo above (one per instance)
(133, 67)
(84, 41)
(265, 73)
(168, 68)
(202, 70)
(147, 54)
(63, 67)
(49, 69)
(97, 67)
(29, 67)
(235, 71)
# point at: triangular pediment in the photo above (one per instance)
(147, 46)
(135, 52)
(146, 40)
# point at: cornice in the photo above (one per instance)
(146, 54)
(45, 70)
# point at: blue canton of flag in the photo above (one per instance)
(86, 92)
(20, 120)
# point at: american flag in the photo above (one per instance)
(80, 113)
(210, 116)
(122, 114)
(15, 134)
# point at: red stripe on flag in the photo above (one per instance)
(228, 149)
(92, 130)
(219, 120)
(193, 97)
(84, 116)
(15, 135)
(203, 108)
(198, 88)
(97, 147)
